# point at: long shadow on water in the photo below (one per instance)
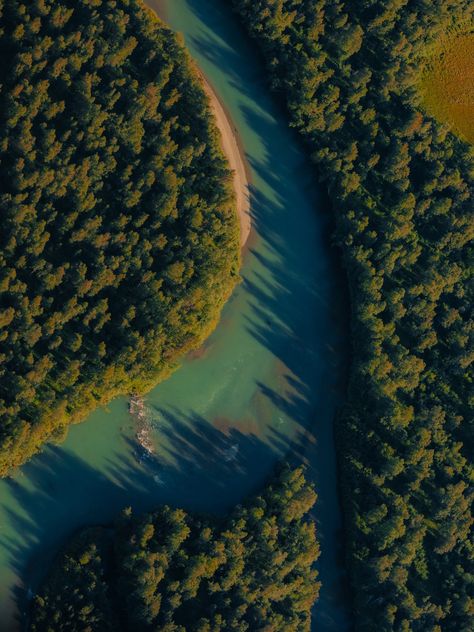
(298, 291)
(300, 315)
(59, 492)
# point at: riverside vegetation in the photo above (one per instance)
(119, 238)
(401, 187)
(174, 572)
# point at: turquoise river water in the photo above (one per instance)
(265, 385)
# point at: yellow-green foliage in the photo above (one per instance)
(448, 83)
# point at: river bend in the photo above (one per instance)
(266, 384)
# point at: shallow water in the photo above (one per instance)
(266, 384)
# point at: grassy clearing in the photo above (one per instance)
(448, 83)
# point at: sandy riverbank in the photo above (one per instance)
(235, 158)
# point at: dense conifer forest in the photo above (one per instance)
(401, 186)
(119, 238)
(175, 572)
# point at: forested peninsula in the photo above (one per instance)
(401, 185)
(175, 572)
(119, 237)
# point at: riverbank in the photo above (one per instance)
(234, 154)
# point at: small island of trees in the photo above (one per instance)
(175, 572)
(119, 237)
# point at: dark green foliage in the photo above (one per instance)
(118, 239)
(402, 189)
(77, 596)
(175, 572)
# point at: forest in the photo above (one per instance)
(119, 239)
(175, 572)
(401, 186)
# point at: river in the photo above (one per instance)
(266, 384)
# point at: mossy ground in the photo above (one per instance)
(448, 83)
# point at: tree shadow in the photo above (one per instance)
(53, 495)
(222, 41)
(202, 468)
(297, 288)
(199, 468)
(315, 349)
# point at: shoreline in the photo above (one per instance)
(234, 154)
